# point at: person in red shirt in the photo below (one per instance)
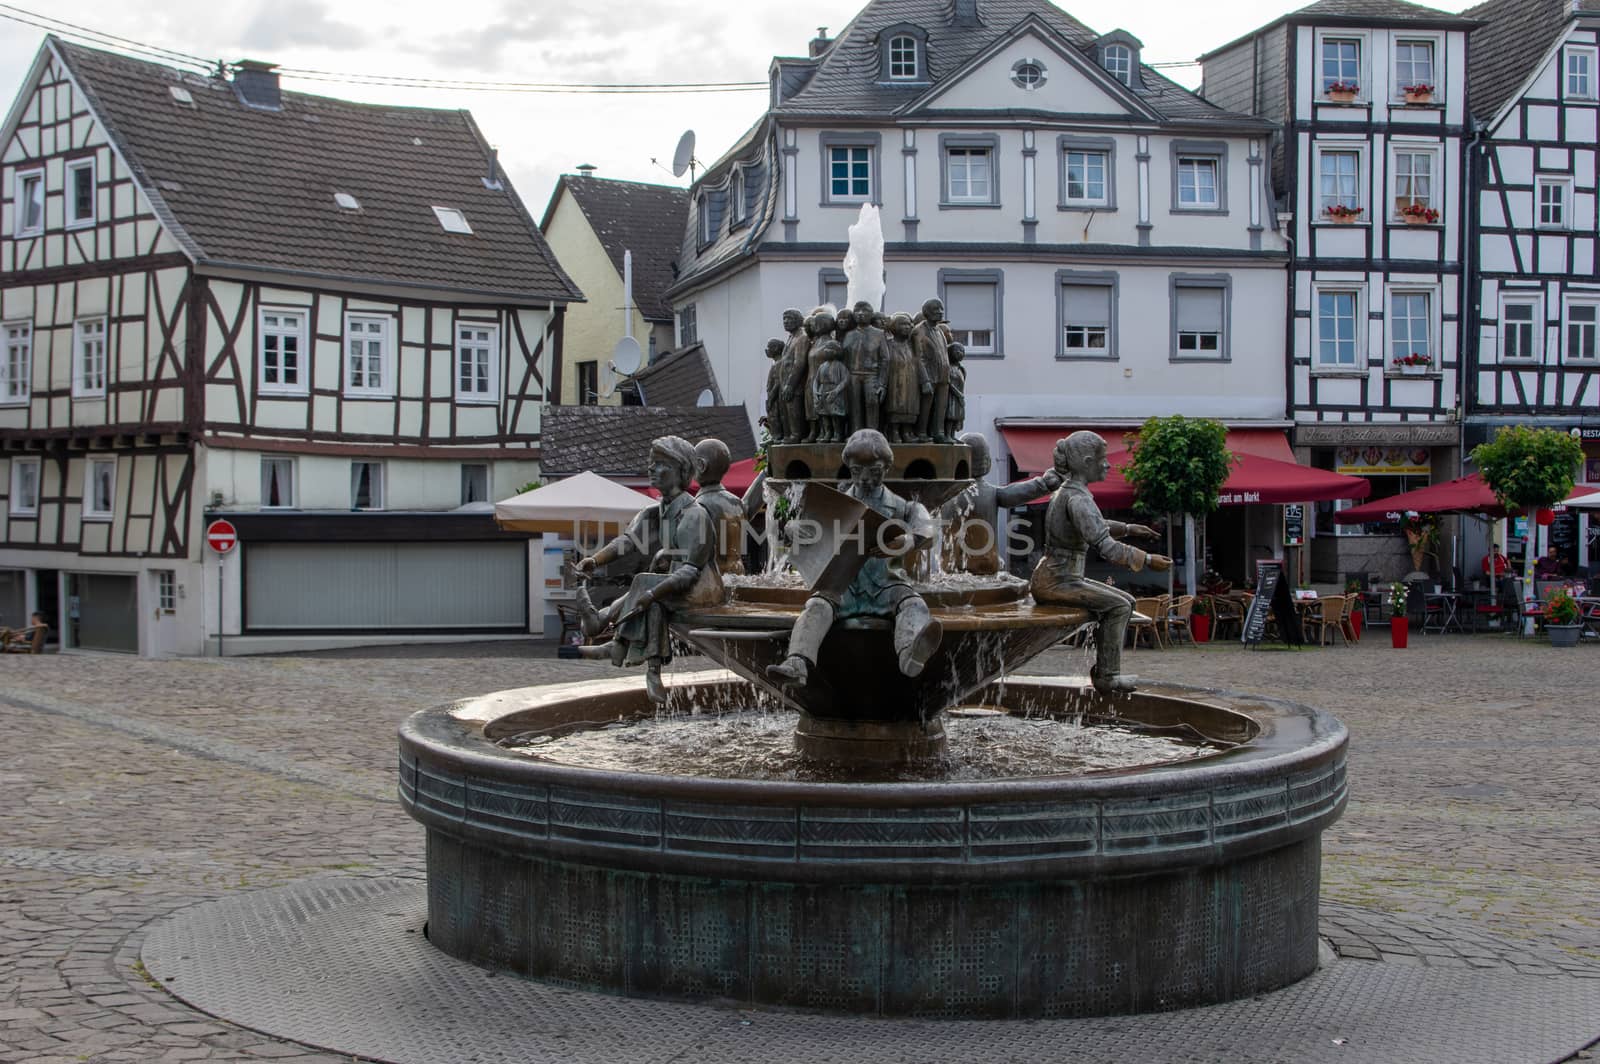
(1494, 563)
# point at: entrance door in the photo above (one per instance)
(103, 611)
(164, 617)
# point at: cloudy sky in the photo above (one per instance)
(564, 41)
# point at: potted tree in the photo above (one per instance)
(1529, 469)
(1200, 619)
(1422, 538)
(1561, 618)
(1399, 623)
(1178, 466)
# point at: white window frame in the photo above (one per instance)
(1215, 162)
(166, 590)
(965, 337)
(487, 482)
(1358, 364)
(1396, 149)
(708, 231)
(1218, 353)
(1434, 46)
(19, 507)
(687, 324)
(1102, 200)
(86, 383)
(1108, 349)
(1588, 91)
(19, 226)
(91, 512)
(301, 332)
(736, 207)
(1535, 329)
(1118, 61)
(968, 153)
(1434, 321)
(850, 161)
(453, 220)
(1362, 49)
(385, 388)
(16, 363)
(1541, 182)
(489, 377)
(899, 68)
(1592, 303)
(294, 482)
(1338, 147)
(70, 193)
(377, 493)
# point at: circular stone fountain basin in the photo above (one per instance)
(1052, 896)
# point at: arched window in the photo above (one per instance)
(736, 194)
(903, 58)
(1119, 61)
(703, 209)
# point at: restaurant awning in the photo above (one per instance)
(1265, 470)
(586, 503)
(1464, 495)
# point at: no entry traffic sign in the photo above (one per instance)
(221, 536)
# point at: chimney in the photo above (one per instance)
(492, 182)
(586, 169)
(966, 13)
(256, 84)
(821, 42)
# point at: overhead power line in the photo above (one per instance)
(51, 24)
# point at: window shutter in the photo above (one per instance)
(1200, 310)
(969, 306)
(1086, 304)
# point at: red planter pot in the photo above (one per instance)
(1399, 629)
(1355, 622)
(1200, 627)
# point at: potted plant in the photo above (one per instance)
(1399, 623)
(1343, 91)
(1343, 214)
(1200, 619)
(1418, 93)
(1352, 588)
(1422, 538)
(1561, 617)
(1416, 364)
(1418, 214)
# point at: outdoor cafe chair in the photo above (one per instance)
(1327, 619)
(1146, 625)
(1347, 626)
(1227, 617)
(1176, 621)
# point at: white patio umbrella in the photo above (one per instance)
(584, 506)
(1579, 501)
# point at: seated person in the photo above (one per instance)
(1550, 567)
(1495, 563)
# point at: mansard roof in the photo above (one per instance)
(1507, 48)
(633, 216)
(247, 188)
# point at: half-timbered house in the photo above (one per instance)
(1370, 102)
(329, 322)
(1533, 355)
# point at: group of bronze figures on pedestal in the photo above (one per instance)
(838, 372)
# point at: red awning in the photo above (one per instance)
(1464, 495)
(1265, 470)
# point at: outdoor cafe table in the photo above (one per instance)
(1448, 603)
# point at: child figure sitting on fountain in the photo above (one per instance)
(881, 588)
(678, 536)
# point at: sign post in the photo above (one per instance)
(221, 537)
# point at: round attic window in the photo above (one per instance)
(1028, 74)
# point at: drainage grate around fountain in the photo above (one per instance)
(340, 963)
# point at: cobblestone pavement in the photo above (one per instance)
(133, 788)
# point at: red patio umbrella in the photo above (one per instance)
(1464, 495)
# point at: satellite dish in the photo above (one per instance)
(707, 397)
(683, 158)
(627, 356)
(608, 380)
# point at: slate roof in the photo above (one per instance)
(242, 186)
(615, 440)
(1354, 12)
(1505, 50)
(633, 216)
(676, 378)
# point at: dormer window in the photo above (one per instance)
(703, 212)
(903, 58)
(736, 194)
(1118, 59)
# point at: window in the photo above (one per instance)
(452, 220)
(972, 307)
(80, 192)
(366, 485)
(708, 227)
(736, 195)
(1411, 326)
(476, 363)
(1413, 179)
(1086, 173)
(849, 173)
(969, 175)
(366, 352)
(1518, 337)
(30, 203)
(1028, 74)
(1580, 73)
(1199, 318)
(474, 483)
(835, 289)
(1582, 319)
(1087, 322)
(89, 358)
(346, 202)
(1118, 60)
(1337, 341)
(277, 483)
(24, 487)
(688, 330)
(16, 368)
(1197, 183)
(1413, 64)
(166, 591)
(1553, 196)
(903, 58)
(1341, 62)
(1339, 180)
(100, 489)
(283, 346)
(588, 383)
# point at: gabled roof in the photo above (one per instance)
(645, 219)
(615, 440)
(251, 188)
(677, 378)
(1358, 13)
(1509, 46)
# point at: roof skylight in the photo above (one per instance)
(181, 94)
(347, 201)
(452, 220)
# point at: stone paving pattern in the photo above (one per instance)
(133, 788)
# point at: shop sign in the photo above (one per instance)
(1387, 435)
(1591, 471)
(1233, 498)
(1294, 524)
(1376, 460)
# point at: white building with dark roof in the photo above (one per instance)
(331, 323)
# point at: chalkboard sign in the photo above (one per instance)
(1272, 593)
(1294, 524)
(1564, 531)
